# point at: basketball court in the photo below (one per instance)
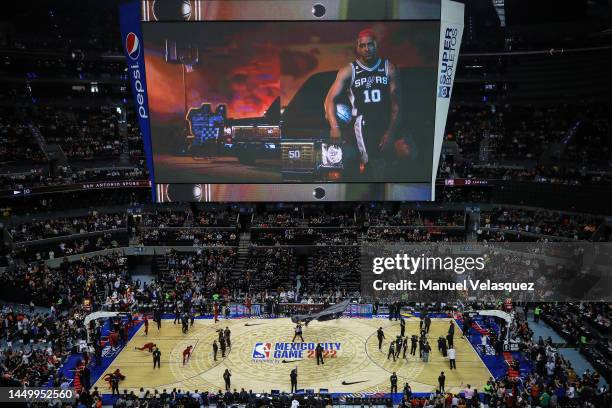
(262, 357)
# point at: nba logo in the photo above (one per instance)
(261, 351)
(132, 46)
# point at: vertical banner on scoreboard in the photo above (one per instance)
(133, 46)
(451, 30)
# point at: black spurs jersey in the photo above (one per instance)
(369, 91)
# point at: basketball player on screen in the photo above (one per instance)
(372, 84)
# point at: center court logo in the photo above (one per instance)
(132, 46)
(277, 351)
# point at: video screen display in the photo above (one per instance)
(292, 101)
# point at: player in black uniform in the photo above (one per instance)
(372, 84)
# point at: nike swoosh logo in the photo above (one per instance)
(289, 361)
(352, 382)
(253, 324)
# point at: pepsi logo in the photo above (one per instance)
(132, 45)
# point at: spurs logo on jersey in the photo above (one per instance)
(369, 90)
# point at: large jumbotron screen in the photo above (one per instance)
(271, 101)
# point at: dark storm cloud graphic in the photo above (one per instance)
(298, 63)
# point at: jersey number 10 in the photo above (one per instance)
(371, 96)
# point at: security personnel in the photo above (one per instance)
(442, 346)
(227, 333)
(227, 377)
(391, 351)
(441, 381)
(319, 353)
(414, 340)
(450, 340)
(221, 334)
(393, 379)
(407, 391)
(114, 380)
(381, 335)
(467, 323)
(294, 378)
(222, 345)
(421, 346)
(215, 350)
(427, 323)
(157, 358)
(177, 314)
(98, 353)
(398, 346)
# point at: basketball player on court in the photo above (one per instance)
(372, 84)
(187, 354)
(148, 346)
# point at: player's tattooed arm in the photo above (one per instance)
(337, 88)
(396, 97)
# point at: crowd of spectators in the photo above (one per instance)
(413, 217)
(57, 227)
(305, 236)
(586, 326)
(17, 145)
(187, 237)
(553, 380)
(215, 217)
(327, 219)
(277, 219)
(559, 143)
(200, 274)
(181, 398)
(67, 246)
(170, 216)
(337, 268)
(397, 234)
(36, 344)
(268, 268)
(541, 221)
(463, 195)
(162, 218)
(83, 132)
(488, 235)
(52, 203)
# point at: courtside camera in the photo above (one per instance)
(318, 10)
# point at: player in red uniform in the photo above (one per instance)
(146, 326)
(187, 354)
(216, 311)
(148, 346)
